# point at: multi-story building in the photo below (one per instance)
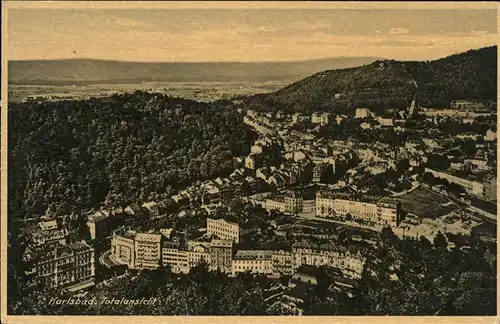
(309, 206)
(221, 252)
(320, 118)
(485, 188)
(255, 261)
(294, 202)
(96, 226)
(282, 263)
(329, 255)
(490, 188)
(123, 248)
(384, 214)
(223, 229)
(277, 203)
(148, 250)
(198, 253)
(49, 235)
(66, 266)
(175, 256)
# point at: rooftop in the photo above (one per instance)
(221, 243)
(226, 218)
(298, 292)
(49, 225)
(65, 250)
(253, 255)
(147, 237)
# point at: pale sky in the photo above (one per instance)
(196, 35)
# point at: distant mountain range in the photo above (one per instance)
(89, 71)
(389, 84)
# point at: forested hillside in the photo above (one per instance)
(389, 84)
(470, 75)
(68, 155)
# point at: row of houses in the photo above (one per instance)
(211, 192)
(321, 118)
(334, 205)
(382, 214)
(148, 251)
(289, 202)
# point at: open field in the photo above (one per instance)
(200, 91)
(424, 203)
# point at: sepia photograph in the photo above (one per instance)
(249, 159)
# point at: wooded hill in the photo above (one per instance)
(67, 156)
(386, 84)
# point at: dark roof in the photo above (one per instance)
(172, 245)
(329, 247)
(305, 245)
(485, 229)
(485, 205)
(283, 220)
(310, 275)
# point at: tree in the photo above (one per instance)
(425, 242)
(440, 240)
(475, 294)
(388, 234)
(403, 165)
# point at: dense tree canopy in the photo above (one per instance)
(128, 148)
